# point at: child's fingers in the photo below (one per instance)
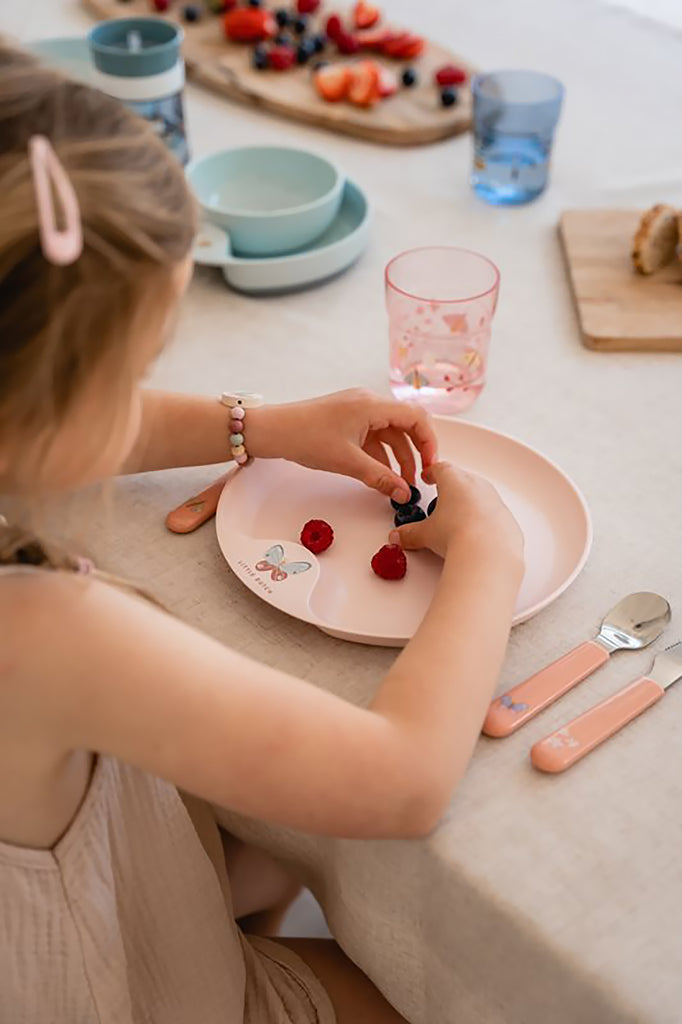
(411, 537)
(375, 448)
(416, 423)
(434, 474)
(403, 451)
(375, 474)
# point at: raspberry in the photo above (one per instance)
(390, 562)
(334, 26)
(450, 74)
(281, 58)
(317, 536)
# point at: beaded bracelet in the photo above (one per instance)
(238, 402)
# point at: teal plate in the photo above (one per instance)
(333, 252)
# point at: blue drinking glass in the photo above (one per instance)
(515, 114)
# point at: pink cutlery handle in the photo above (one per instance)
(567, 745)
(196, 510)
(526, 700)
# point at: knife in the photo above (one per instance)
(569, 744)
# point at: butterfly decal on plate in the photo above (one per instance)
(276, 564)
(507, 702)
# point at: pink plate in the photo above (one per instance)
(263, 508)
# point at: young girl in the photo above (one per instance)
(115, 905)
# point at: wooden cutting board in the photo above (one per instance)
(618, 309)
(412, 117)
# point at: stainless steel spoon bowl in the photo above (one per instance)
(634, 622)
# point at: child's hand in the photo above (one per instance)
(469, 511)
(348, 433)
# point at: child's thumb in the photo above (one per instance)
(409, 537)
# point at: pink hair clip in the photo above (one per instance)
(60, 246)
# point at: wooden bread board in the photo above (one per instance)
(412, 117)
(618, 309)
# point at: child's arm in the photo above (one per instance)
(116, 675)
(342, 433)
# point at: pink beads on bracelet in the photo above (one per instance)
(237, 404)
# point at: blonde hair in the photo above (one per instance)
(59, 326)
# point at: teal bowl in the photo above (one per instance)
(270, 199)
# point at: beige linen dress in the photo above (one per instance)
(128, 920)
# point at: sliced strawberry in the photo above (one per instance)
(388, 83)
(307, 6)
(249, 25)
(374, 39)
(347, 43)
(332, 82)
(364, 87)
(450, 74)
(281, 58)
(365, 15)
(404, 47)
(334, 27)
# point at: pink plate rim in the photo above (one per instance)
(520, 617)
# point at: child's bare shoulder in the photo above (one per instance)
(45, 618)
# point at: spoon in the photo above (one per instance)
(565, 746)
(633, 623)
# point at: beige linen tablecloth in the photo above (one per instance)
(539, 900)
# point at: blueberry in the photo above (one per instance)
(300, 24)
(191, 13)
(260, 58)
(432, 506)
(319, 42)
(409, 514)
(409, 77)
(415, 498)
(255, 3)
(318, 65)
(282, 39)
(282, 17)
(304, 52)
(449, 97)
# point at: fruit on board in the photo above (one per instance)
(390, 562)
(249, 25)
(347, 43)
(260, 58)
(450, 74)
(374, 39)
(281, 58)
(404, 46)
(304, 51)
(332, 82)
(388, 83)
(334, 27)
(364, 87)
(365, 15)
